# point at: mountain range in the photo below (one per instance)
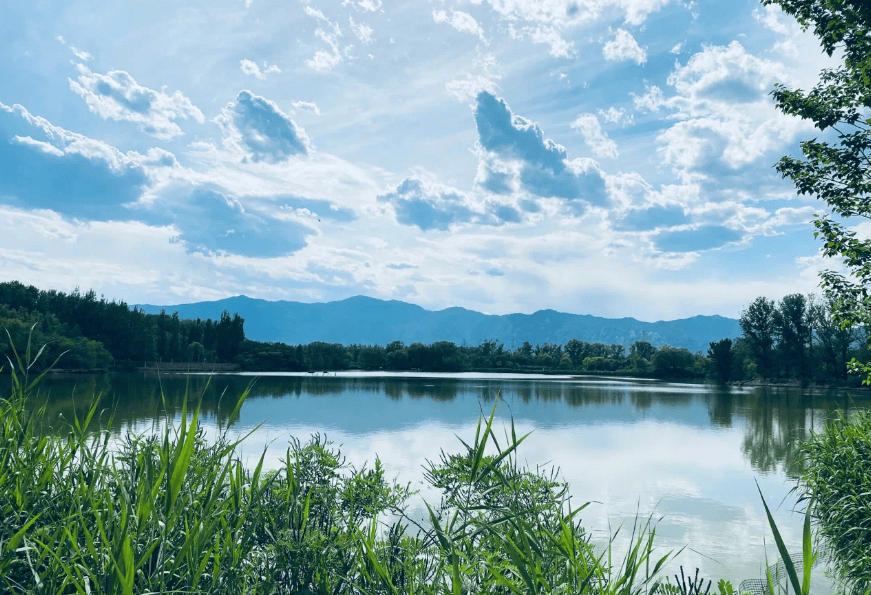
(370, 321)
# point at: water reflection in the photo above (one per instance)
(774, 421)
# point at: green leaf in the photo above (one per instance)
(781, 547)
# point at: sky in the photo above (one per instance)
(605, 157)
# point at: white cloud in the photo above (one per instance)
(362, 31)
(468, 88)
(459, 20)
(677, 49)
(547, 35)
(569, 13)
(119, 97)
(308, 106)
(249, 67)
(315, 13)
(559, 47)
(793, 216)
(616, 115)
(589, 127)
(322, 60)
(726, 120)
(80, 54)
(369, 5)
(651, 101)
(624, 47)
(770, 16)
(258, 130)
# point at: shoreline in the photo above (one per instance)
(793, 383)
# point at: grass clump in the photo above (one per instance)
(837, 476)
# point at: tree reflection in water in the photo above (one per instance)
(774, 421)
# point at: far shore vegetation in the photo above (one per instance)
(795, 340)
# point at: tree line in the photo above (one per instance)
(795, 338)
(99, 334)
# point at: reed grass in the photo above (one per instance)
(837, 475)
(171, 512)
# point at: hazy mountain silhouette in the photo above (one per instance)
(371, 321)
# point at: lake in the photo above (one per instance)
(690, 454)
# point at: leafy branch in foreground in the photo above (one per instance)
(837, 171)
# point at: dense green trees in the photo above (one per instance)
(720, 355)
(796, 338)
(97, 333)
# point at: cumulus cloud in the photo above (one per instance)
(726, 122)
(568, 13)
(119, 97)
(459, 20)
(210, 219)
(793, 216)
(258, 129)
(624, 47)
(726, 74)
(308, 106)
(46, 166)
(589, 127)
(516, 147)
(249, 67)
(323, 61)
(432, 206)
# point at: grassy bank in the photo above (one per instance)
(837, 476)
(175, 512)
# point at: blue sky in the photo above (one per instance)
(607, 157)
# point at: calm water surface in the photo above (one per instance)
(691, 454)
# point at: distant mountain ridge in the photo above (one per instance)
(371, 321)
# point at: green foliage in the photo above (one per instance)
(837, 476)
(673, 363)
(97, 333)
(720, 354)
(837, 170)
(757, 324)
(797, 338)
